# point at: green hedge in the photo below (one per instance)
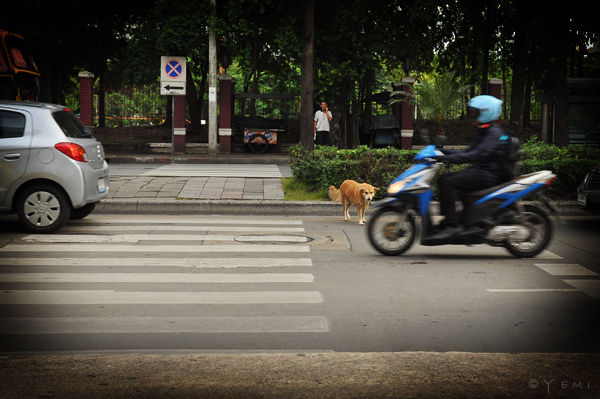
(331, 166)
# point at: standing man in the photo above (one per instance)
(322, 119)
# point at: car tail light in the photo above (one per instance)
(73, 151)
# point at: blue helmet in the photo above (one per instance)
(484, 108)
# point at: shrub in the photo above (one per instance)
(331, 166)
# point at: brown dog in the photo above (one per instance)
(353, 193)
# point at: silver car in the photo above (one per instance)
(52, 168)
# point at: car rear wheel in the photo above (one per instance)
(43, 208)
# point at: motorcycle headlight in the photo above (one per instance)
(395, 187)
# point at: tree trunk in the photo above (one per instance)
(307, 77)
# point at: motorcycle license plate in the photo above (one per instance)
(582, 199)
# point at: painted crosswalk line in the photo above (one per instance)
(160, 221)
(218, 263)
(531, 290)
(134, 238)
(590, 287)
(558, 269)
(111, 248)
(197, 228)
(98, 297)
(156, 278)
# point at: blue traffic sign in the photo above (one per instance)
(173, 69)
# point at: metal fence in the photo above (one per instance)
(127, 105)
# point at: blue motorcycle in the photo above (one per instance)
(496, 216)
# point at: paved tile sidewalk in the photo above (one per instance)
(186, 188)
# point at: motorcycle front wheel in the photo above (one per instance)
(540, 231)
(391, 232)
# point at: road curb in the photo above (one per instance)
(249, 207)
(219, 207)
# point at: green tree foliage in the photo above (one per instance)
(358, 45)
(436, 95)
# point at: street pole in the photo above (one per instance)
(212, 82)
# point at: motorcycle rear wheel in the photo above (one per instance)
(540, 232)
(391, 232)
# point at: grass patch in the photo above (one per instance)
(296, 190)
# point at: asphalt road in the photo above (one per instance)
(158, 283)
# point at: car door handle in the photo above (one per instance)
(12, 157)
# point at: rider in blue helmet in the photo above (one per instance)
(484, 154)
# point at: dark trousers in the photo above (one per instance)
(453, 183)
(322, 137)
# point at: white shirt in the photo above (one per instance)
(322, 120)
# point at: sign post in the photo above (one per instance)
(172, 83)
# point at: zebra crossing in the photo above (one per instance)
(207, 275)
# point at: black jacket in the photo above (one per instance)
(484, 154)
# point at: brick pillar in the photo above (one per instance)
(404, 112)
(178, 124)
(226, 108)
(495, 88)
(86, 98)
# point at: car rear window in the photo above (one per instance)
(71, 125)
(12, 124)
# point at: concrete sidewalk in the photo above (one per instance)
(237, 184)
(432, 375)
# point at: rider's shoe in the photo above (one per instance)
(445, 231)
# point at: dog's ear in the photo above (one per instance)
(376, 188)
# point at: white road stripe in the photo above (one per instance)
(156, 262)
(159, 221)
(548, 255)
(98, 297)
(557, 269)
(590, 287)
(133, 238)
(156, 278)
(264, 229)
(532, 290)
(124, 325)
(155, 248)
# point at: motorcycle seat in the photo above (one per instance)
(469, 198)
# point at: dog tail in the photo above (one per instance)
(335, 194)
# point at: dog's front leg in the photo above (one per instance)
(361, 215)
